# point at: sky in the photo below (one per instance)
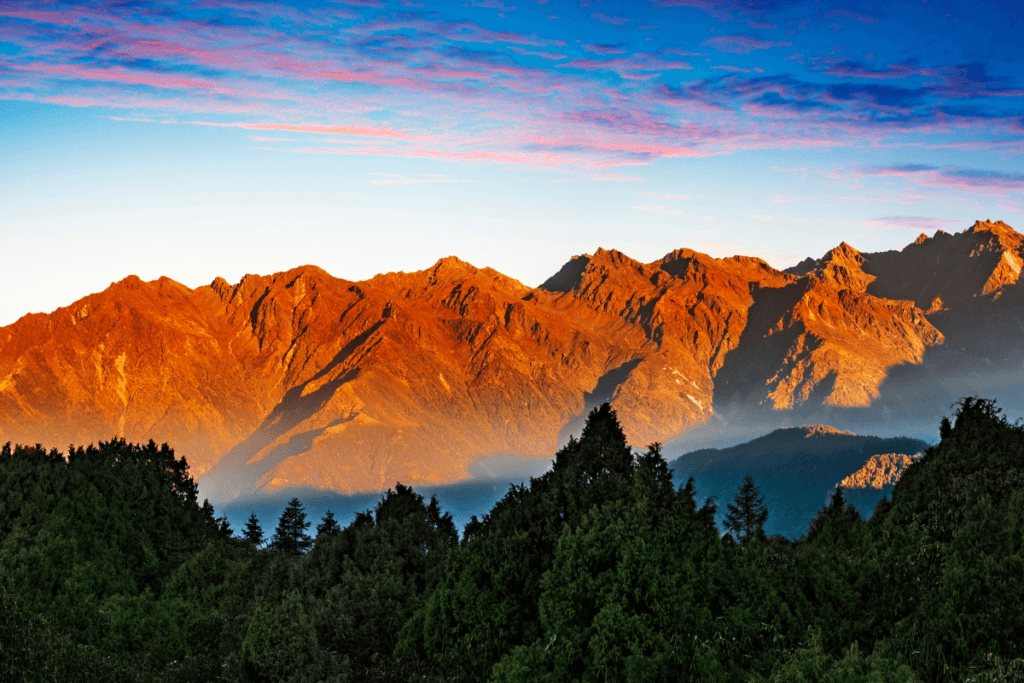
(202, 139)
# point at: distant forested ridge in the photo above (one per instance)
(599, 570)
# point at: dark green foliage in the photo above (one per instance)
(290, 537)
(253, 533)
(281, 645)
(837, 524)
(367, 580)
(600, 569)
(747, 517)
(88, 545)
(813, 664)
(632, 590)
(488, 600)
(953, 546)
(328, 526)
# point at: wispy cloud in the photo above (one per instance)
(358, 131)
(856, 69)
(740, 45)
(585, 90)
(951, 176)
(916, 223)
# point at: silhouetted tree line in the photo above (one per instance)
(599, 570)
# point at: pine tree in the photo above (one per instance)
(290, 537)
(253, 531)
(328, 526)
(836, 523)
(224, 526)
(747, 517)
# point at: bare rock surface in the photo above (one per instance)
(880, 471)
(303, 379)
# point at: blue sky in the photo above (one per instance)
(197, 139)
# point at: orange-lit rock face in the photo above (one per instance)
(880, 471)
(824, 338)
(301, 378)
(956, 269)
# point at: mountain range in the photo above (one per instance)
(303, 379)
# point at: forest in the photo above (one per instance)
(599, 570)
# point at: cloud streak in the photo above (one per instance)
(953, 177)
(505, 84)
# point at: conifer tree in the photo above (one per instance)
(253, 531)
(290, 537)
(835, 522)
(747, 517)
(224, 526)
(328, 526)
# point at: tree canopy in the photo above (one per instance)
(600, 569)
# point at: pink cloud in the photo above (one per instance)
(318, 129)
(740, 45)
(534, 53)
(681, 52)
(606, 49)
(456, 90)
(64, 17)
(737, 69)
(975, 180)
(916, 223)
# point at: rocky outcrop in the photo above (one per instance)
(301, 378)
(880, 471)
(957, 269)
(824, 339)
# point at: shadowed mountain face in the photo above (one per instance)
(304, 379)
(797, 468)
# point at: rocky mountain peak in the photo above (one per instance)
(842, 267)
(995, 227)
(978, 262)
(451, 267)
(301, 378)
(221, 287)
(568, 276)
(132, 282)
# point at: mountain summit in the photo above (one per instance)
(301, 378)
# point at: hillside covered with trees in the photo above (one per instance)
(599, 570)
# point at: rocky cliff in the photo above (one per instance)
(880, 471)
(301, 378)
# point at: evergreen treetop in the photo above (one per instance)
(253, 532)
(327, 526)
(747, 517)
(290, 537)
